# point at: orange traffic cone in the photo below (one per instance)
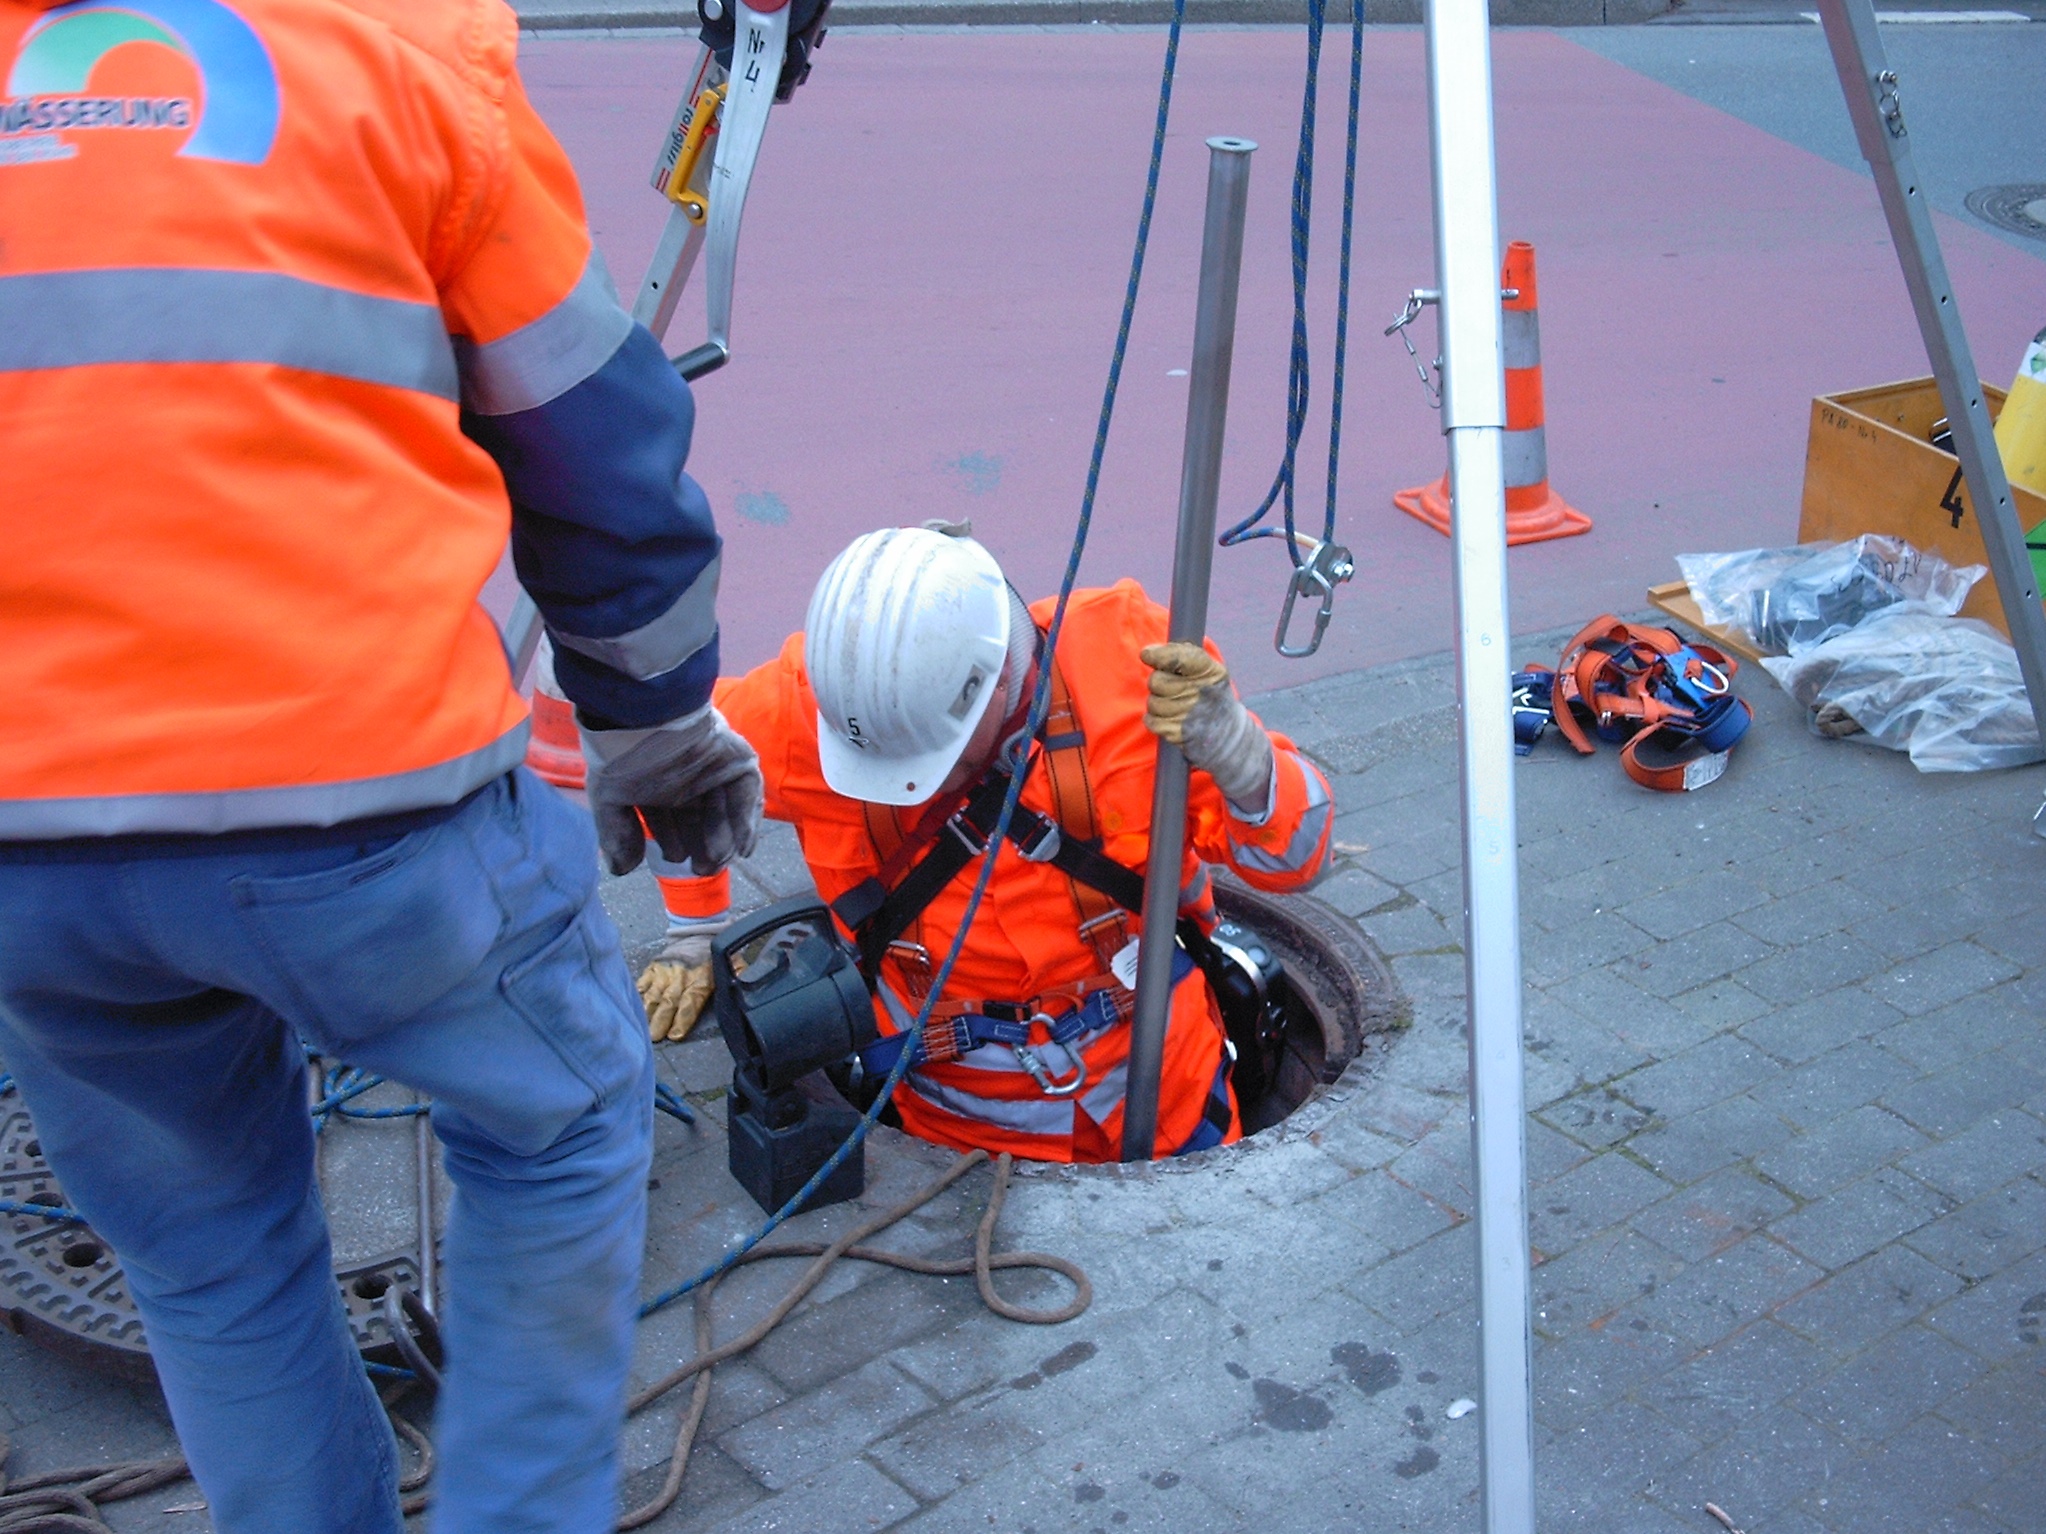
(1534, 512)
(555, 750)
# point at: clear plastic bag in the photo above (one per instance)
(1946, 690)
(1784, 600)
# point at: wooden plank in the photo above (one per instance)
(1674, 598)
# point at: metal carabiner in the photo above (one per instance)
(1326, 567)
(1027, 1058)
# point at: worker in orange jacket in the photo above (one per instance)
(877, 728)
(300, 320)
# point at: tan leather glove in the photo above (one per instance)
(676, 987)
(1193, 706)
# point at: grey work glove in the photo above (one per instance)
(693, 782)
(1193, 706)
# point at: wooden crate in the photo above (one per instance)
(1870, 468)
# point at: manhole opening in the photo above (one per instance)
(83, 1254)
(371, 1286)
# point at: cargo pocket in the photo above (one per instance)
(366, 945)
(572, 993)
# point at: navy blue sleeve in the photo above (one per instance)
(612, 539)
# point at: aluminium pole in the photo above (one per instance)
(1200, 478)
(1474, 420)
(1873, 102)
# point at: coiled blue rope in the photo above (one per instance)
(1040, 704)
(1298, 372)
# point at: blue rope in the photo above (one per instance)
(670, 1102)
(46, 1211)
(1040, 705)
(1298, 371)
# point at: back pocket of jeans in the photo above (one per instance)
(376, 940)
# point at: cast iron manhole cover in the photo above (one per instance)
(2020, 208)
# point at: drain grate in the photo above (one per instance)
(2020, 208)
(62, 1286)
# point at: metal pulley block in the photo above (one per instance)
(1322, 568)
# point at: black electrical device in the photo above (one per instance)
(790, 1003)
(1244, 971)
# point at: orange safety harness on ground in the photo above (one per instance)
(1670, 701)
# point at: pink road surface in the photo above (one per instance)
(935, 252)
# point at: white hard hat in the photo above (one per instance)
(905, 642)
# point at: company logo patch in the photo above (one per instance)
(52, 71)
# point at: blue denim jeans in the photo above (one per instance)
(152, 1007)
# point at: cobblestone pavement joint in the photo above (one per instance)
(1787, 1082)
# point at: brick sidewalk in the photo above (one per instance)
(1788, 1077)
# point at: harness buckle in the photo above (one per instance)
(961, 827)
(1041, 844)
(1027, 1058)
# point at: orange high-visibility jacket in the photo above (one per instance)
(261, 262)
(1025, 941)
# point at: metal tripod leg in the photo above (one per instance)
(1474, 420)
(1875, 102)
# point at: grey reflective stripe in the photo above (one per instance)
(545, 359)
(180, 314)
(254, 809)
(1306, 836)
(1035, 1116)
(1527, 457)
(656, 648)
(1103, 1097)
(1521, 337)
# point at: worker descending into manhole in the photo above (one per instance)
(886, 732)
(279, 349)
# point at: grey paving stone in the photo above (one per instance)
(1549, 1154)
(1688, 1148)
(1601, 1193)
(1591, 1368)
(1411, 929)
(1718, 1068)
(1829, 1086)
(1810, 969)
(1724, 1387)
(1956, 1098)
(1712, 1214)
(1721, 1004)
(1710, 953)
(963, 1444)
(1775, 1460)
(1715, 1298)
(1933, 980)
(1606, 1456)
(823, 1342)
(1808, 1029)
(808, 1435)
(1842, 1226)
(852, 1497)
(1598, 1118)
(1875, 1297)
(2012, 1500)
(1949, 1469)
(1421, 1286)
(1608, 998)
(1812, 912)
(1590, 1283)
(1581, 942)
(1988, 1154)
(1353, 891)
(1883, 1390)
(1999, 1318)
(1713, 896)
(1393, 1214)
(1966, 1030)
(1987, 1236)
(1839, 1152)
(2001, 1410)
(713, 1489)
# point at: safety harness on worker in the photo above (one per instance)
(953, 832)
(1669, 700)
